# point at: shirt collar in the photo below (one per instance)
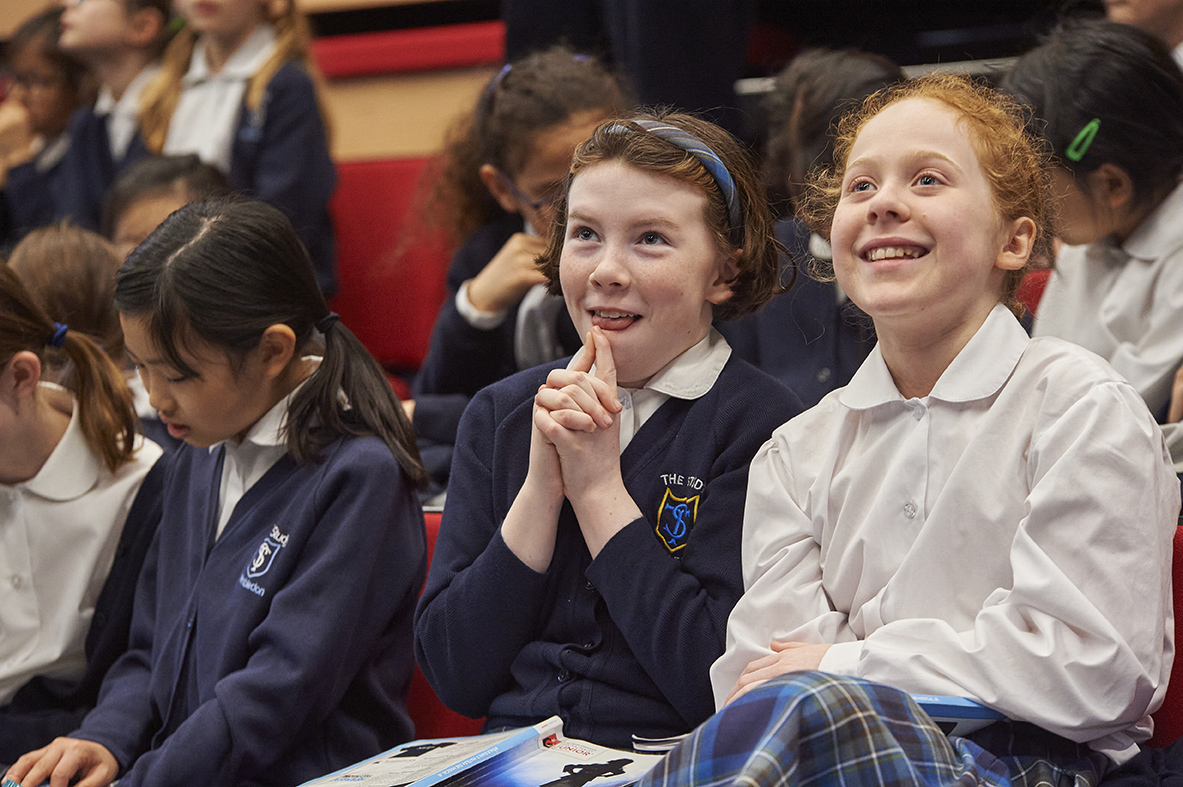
(72, 468)
(978, 371)
(692, 373)
(246, 60)
(1160, 231)
(270, 429)
(129, 101)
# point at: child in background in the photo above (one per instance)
(47, 86)
(589, 550)
(504, 167)
(272, 637)
(149, 190)
(812, 339)
(71, 273)
(119, 41)
(70, 467)
(237, 87)
(977, 514)
(1108, 99)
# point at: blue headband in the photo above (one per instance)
(59, 335)
(707, 157)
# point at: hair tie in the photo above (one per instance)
(1083, 140)
(706, 156)
(328, 321)
(58, 338)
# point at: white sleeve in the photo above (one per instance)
(1081, 643)
(781, 572)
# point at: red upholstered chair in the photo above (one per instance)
(432, 719)
(388, 299)
(1168, 721)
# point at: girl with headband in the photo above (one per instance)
(589, 551)
(1108, 99)
(271, 641)
(71, 466)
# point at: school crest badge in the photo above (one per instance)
(675, 519)
(265, 554)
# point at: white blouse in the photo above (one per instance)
(1006, 538)
(58, 535)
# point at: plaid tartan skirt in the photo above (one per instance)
(810, 728)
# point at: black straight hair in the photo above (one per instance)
(1122, 81)
(221, 272)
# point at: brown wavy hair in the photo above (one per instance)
(1014, 161)
(756, 254)
(105, 411)
(524, 99)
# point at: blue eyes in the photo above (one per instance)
(652, 238)
(927, 180)
(583, 233)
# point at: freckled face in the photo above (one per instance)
(640, 262)
(916, 234)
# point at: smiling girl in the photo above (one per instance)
(976, 514)
(589, 551)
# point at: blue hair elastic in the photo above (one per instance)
(59, 335)
(706, 156)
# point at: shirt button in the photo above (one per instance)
(17, 581)
(909, 510)
(824, 374)
(918, 412)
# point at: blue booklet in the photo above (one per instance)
(956, 715)
(537, 756)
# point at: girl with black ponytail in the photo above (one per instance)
(272, 642)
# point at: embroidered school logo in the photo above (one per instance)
(265, 554)
(675, 518)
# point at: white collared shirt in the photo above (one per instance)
(123, 115)
(246, 462)
(1006, 538)
(58, 535)
(207, 112)
(689, 376)
(1125, 303)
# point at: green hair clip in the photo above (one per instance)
(1080, 145)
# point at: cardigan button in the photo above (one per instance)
(564, 676)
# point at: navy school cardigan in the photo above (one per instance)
(617, 645)
(282, 651)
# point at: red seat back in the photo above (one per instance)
(388, 297)
(432, 718)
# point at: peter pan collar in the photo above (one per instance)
(72, 468)
(979, 370)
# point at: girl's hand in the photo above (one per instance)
(577, 417)
(64, 760)
(509, 275)
(785, 657)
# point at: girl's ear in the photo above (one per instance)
(728, 271)
(505, 198)
(1113, 185)
(144, 26)
(1017, 249)
(20, 375)
(275, 350)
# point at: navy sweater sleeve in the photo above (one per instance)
(328, 609)
(480, 598)
(281, 156)
(462, 359)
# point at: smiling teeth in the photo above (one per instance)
(612, 315)
(893, 252)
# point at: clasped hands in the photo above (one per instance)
(575, 447)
